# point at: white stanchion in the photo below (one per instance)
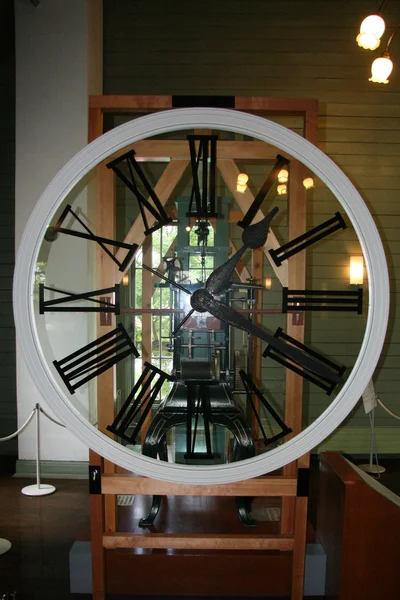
(5, 546)
(38, 489)
(371, 468)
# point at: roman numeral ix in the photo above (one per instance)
(102, 304)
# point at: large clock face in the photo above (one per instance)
(161, 345)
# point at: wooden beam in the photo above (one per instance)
(198, 541)
(134, 103)
(295, 327)
(299, 550)
(163, 150)
(277, 106)
(262, 486)
(164, 188)
(229, 172)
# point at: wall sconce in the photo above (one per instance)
(381, 69)
(125, 279)
(308, 183)
(283, 176)
(356, 270)
(282, 189)
(371, 30)
(241, 183)
(268, 283)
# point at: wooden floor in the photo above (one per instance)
(42, 531)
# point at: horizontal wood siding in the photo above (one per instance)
(291, 49)
(8, 408)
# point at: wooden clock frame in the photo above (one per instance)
(293, 522)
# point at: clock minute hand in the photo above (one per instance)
(253, 237)
(202, 301)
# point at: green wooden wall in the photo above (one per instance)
(8, 408)
(301, 48)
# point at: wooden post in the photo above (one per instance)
(96, 536)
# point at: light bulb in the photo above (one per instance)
(241, 183)
(187, 228)
(373, 24)
(381, 69)
(368, 41)
(356, 270)
(308, 183)
(283, 176)
(282, 189)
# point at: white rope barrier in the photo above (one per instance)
(388, 409)
(38, 489)
(50, 418)
(21, 429)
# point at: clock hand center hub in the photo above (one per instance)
(200, 300)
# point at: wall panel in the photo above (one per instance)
(295, 49)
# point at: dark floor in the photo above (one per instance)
(42, 531)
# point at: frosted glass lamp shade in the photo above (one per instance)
(308, 183)
(282, 189)
(373, 24)
(241, 183)
(381, 69)
(356, 270)
(368, 41)
(283, 176)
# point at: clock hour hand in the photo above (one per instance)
(254, 236)
(202, 301)
(167, 279)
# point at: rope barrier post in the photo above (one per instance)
(5, 545)
(38, 489)
(373, 469)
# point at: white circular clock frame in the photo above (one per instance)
(287, 141)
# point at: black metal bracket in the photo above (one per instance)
(94, 479)
(303, 482)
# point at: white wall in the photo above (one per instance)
(51, 126)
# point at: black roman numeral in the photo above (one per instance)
(152, 204)
(251, 389)
(265, 188)
(203, 194)
(325, 382)
(308, 238)
(139, 403)
(102, 304)
(316, 300)
(52, 234)
(81, 366)
(198, 403)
